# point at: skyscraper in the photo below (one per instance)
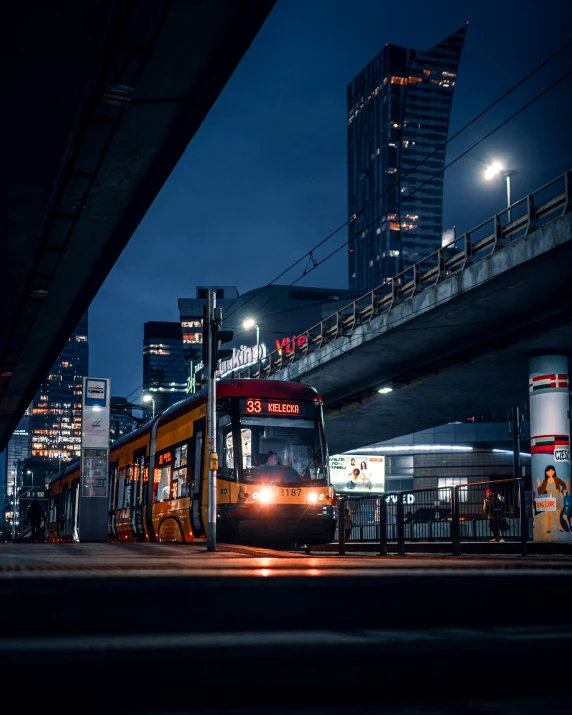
(55, 419)
(398, 114)
(164, 374)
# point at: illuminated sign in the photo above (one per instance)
(278, 408)
(357, 473)
(258, 407)
(242, 357)
(290, 343)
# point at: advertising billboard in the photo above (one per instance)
(357, 473)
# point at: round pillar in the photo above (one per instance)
(550, 448)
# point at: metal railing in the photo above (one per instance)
(526, 215)
(454, 515)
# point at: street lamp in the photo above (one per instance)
(248, 324)
(149, 398)
(494, 170)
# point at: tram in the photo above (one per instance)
(273, 484)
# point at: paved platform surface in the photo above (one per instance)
(249, 630)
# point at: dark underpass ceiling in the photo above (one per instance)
(102, 97)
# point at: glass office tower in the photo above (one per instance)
(55, 419)
(164, 375)
(398, 114)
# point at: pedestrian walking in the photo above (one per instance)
(492, 507)
(35, 516)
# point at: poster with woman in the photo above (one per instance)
(358, 473)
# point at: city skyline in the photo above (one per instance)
(253, 193)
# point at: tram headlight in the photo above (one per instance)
(322, 496)
(265, 496)
(312, 498)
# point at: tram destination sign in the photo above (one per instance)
(277, 408)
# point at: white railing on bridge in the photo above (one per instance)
(533, 211)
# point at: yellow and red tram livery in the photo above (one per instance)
(272, 482)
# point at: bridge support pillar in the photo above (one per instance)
(550, 448)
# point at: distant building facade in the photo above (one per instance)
(119, 422)
(55, 414)
(164, 374)
(399, 107)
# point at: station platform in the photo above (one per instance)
(243, 622)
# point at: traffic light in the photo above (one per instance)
(219, 337)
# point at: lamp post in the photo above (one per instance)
(248, 324)
(494, 170)
(149, 398)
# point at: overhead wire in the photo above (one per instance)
(316, 264)
(395, 206)
(309, 254)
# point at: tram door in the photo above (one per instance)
(139, 492)
(197, 469)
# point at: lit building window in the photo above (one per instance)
(392, 170)
(394, 226)
(371, 263)
(398, 80)
(415, 79)
(427, 72)
(448, 74)
(394, 254)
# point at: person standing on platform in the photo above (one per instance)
(493, 512)
(35, 516)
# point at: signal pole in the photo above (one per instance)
(211, 419)
(213, 337)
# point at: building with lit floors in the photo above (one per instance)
(164, 374)
(17, 452)
(399, 107)
(55, 413)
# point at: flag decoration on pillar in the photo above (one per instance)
(555, 381)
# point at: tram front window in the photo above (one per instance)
(281, 451)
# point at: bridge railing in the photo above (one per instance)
(551, 201)
(453, 515)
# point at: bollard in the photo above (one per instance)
(400, 525)
(523, 519)
(383, 525)
(342, 525)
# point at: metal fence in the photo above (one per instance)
(453, 515)
(526, 215)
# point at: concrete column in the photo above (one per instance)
(550, 447)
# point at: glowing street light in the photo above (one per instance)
(385, 390)
(149, 398)
(248, 324)
(493, 171)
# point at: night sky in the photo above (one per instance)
(264, 179)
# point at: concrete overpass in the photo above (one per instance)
(101, 99)
(452, 335)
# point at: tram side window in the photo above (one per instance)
(121, 489)
(53, 513)
(196, 478)
(163, 487)
(145, 480)
(128, 476)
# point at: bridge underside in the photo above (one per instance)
(101, 99)
(456, 350)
